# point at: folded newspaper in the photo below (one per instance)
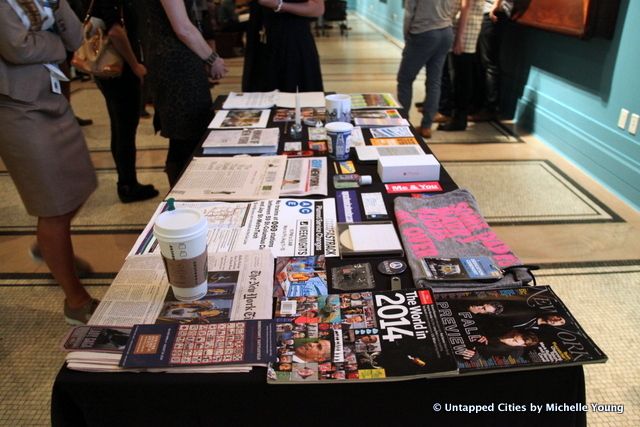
(240, 285)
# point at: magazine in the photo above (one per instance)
(363, 336)
(375, 118)
(110, 339)
(240, 119)
(247, 343)
(289, 114)
(300, 276)
(241, 141)
(514, 328)
(373, 100)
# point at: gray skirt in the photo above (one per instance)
(45, 153)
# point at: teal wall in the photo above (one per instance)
(567, 92)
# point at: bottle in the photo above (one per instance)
(351, 180)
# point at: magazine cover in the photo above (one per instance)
(171, 345)
(96, 338)
(520, 327)
(360, 336)
(300, 276)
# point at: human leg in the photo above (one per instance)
(178, 156)
(489, 51)
(123, 96)
(463, 81)
(440, 42)
(54, 242)
(413, 59)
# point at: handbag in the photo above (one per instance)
(97, 55)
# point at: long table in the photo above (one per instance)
(117, 399)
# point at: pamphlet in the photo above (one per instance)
(382, 118)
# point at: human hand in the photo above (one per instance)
(468, 354)
(140, 71)
(457, 47)
(271, 4)
(218, 69)
(493, 11)
(482, 340)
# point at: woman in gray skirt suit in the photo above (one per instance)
(40, 141)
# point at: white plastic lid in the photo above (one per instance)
(338, 127)
(181, 223)
(365, 180)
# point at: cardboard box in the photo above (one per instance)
(408, 168)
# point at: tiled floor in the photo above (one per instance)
(602, 292)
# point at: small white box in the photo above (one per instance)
(408, 168)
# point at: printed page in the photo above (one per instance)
(231, 178)
(243, 100)
(307, 99)
(287, 227)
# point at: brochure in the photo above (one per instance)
(249, 141)
(240, 119)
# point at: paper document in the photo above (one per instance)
(231, 178)
(240, 100)
(288, 227)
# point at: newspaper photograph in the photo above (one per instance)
(305, 176)
(231, 178)
(240, 285)
(287, 227)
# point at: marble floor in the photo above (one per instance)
(588, 240)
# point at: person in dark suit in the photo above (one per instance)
(41, 142)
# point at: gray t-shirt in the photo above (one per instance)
(450, 225)
(427, 15)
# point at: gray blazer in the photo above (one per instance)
(23, 52)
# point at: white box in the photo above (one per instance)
(408, 168)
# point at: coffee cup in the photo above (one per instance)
(338, 108)
(182, 236)
(338, 139)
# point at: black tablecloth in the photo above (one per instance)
(129, 399)
(119, 399)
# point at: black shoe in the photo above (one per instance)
(453, 125)
(84, 122)
(136, 192)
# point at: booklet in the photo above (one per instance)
(305, 176)
(242, 141)
(248, 343)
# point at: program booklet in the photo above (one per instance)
(359, 337)
(515, 328)
(375, 118)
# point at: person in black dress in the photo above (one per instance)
(122, 95)
(180, 61)
(281, 52)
